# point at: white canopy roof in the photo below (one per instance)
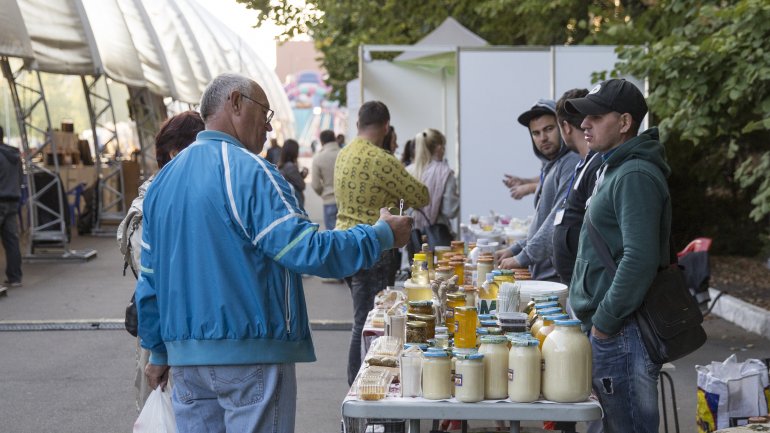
(172, 47)
(451, 34)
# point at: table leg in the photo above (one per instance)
(515, 426)
(414, 426)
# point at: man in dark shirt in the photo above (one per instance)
(11, 175)
(572, 207)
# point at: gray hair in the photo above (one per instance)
(218, 91)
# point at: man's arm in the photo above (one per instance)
(147, 302)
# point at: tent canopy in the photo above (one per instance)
(172, 47)
(450, 34)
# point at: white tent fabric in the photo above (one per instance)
(172, 47)
(450, 34)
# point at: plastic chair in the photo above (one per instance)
(74, 207)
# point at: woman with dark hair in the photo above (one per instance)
(389, 143)
(407, 156)
(174, 136)
(290, 170)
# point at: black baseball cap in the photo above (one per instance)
(612, 95)
(541, 107)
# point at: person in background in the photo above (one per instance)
(569, 216)
(433, 171)
(341, 140)
(273, 154)
(220, 295)
(11, 178)
(390, 143)
(366, 178)
(322, 178)
(408, 154)
(174, 135)
(291, 171)
(558, 164)
(631, 211)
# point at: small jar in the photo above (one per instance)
(416, 332)
(435, 375)
(458, 247)
(471, 294)
(539, 318)
(445, 272)
(420, 307)
(430, 322)
(440, 250)
(441, 341)
(524, 370)
(465, 327)
(484, 265)
(469, 377)
(495, 351)
(567, 363)
(459, 268)
(453, 300)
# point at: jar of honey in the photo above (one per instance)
(466, 319)
(453, 300)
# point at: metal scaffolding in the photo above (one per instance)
(148, 111)
(48, 233)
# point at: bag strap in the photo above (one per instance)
(424, 216)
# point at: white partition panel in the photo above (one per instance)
(496, 86)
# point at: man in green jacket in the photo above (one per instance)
(631, 210)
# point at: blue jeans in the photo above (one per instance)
(626, 382)
(330, 216)
(9, 233)
(260, 398)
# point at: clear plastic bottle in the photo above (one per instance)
(524, 370)
(420, 270)
(567, 363)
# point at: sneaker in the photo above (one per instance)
(11, 285)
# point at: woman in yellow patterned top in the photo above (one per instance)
(366, 179)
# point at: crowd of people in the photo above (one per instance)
(219, 255)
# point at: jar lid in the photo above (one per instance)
(553, 317)
(469, 356)
(456, 262)
(495, 330)
(444, 269)
(470, 289)
(465, 308)
(435, 354)
(524, 342)
(442, 336)
(488, 323)
(486, 259)
(513, 335)
(485, 317)
(548, 311)
(546, 304)
(494, 339)
(416, 324)
(456, 243)
(420, 317)
(419, 256)
(567, 322)
(497, 272)
(442, 248)
(420, 303)
(506, 271)
(482, 331)
(441, 329)
(456, 296)
(421, 346)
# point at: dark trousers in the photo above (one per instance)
(364, 285)
(9, 232)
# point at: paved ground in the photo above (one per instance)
(82, 381)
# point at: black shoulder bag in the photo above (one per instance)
(669, 318)
(437, 233)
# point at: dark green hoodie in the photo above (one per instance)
(631, 209)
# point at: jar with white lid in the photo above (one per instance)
(435, 375)
(469, 377)
(566, 363)
(524, 370)
(495, 351)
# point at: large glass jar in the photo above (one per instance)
(524, 370)
(465, 327)
(435, 375)
(469, 377)
(566, 363)
(453, 300)
(495, 351)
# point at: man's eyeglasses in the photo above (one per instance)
(270, 112)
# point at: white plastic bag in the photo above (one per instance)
(157, 416)
(730, 389)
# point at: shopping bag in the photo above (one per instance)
(157, 416)
(730, 389)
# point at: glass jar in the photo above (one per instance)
(469, 377)
(420, 270)
(484, 265)
(441, 341)
(439, 252)
(420, 307)
(458, 247)
(524, 370)
(416, 332)
(428, 319)
(468, 271)
(471, 295)
(459, 269)
(537, 300)
(487, 297)
(465, 327)
(417, 292)
(435, 375)
(539, 306)
(453, 300)
(495, 351)
(548, 326)
(539, 318)
(445, 272)
(566, 363)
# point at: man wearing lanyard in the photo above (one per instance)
(558, 164)
(572, 208)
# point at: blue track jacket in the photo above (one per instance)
(224, 243)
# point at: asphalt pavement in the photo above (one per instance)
(65, 367)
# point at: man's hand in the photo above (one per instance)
(511, 181)
(598, 334)
(522, 190)
(510, 263)
(156, 375)
(502, 254)
(401, 226)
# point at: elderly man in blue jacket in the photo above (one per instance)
(224, 244)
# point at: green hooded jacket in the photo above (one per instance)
(631, 210)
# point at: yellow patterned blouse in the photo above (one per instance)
(367, 178)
